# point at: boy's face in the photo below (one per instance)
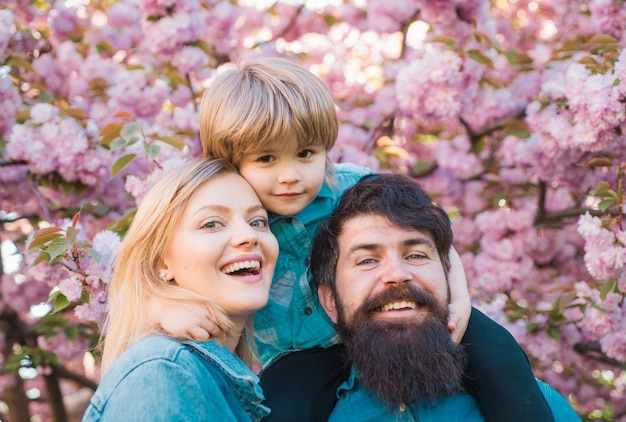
(286, 179)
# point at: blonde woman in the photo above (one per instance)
(200, 236)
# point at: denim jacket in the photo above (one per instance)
(357, 405)
(163, 379)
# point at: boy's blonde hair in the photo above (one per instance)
(264, 104)
(136, 277)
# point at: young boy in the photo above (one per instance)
(276, 122)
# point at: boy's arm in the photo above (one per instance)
(460, 305)
(183, 320)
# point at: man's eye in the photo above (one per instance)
(417, 256)
(265, 159)
(305, 153)
(212, 224)
(366, 261)
(259, 223)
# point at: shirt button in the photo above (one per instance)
(402, 408)
(288, 220)
(308, 310)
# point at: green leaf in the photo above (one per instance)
(481, 58)
(554, 333)
(563, 302)
(608, 287)
(57, 248)
(43, 256)
(130, 130)
(602, 187)
(449, 41)
(606, 204)
(60, 303)
(117, 143)
(121, 163)
(110, 132)
(72, 332)
(43, 236)
(175, 141)
(94, 254)
(71, 235)
(53, 296)
(602, 39)
(152, 151)
(85, 297)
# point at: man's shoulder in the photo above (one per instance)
(561, 408)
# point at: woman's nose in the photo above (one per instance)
(245, 234)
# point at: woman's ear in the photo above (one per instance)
(327, 299)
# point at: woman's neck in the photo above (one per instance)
(231, 341)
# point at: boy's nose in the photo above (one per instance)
(289, 174)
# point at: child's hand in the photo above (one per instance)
(460, 305)
(183, 320)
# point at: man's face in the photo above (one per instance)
(390, 307)
(374, 256)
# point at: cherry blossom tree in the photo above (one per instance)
(511, 113)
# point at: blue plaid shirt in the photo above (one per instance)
(356, 404)
(293, 318)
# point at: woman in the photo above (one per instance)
(199, 236)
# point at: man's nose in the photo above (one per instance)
(396, 271)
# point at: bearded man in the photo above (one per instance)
(381, 264)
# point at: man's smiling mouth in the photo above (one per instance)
(397, 305)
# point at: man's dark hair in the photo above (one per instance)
(394, 196)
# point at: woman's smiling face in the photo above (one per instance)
(223, 248)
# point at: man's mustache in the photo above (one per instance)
(407, 292)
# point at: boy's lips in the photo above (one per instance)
(289, 194)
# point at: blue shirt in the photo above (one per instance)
(162, 379)
(293, 318)
(356, 404)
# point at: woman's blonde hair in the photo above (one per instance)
(136, 276)
(265, 103)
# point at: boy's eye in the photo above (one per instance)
(265, 158)
(305, 153)
(366, 261)
(213, 224)
(259, 223)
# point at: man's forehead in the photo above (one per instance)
(375, 229)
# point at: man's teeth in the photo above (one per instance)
(399, 305)
(243, 265)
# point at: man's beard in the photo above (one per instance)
(403, 361)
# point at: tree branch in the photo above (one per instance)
(594, 351)
(63, 372)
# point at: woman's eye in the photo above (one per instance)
(259, 223)
(306, 153)
(214, 224)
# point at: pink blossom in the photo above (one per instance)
(72, 288)
(6, 29)
(123, 14)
